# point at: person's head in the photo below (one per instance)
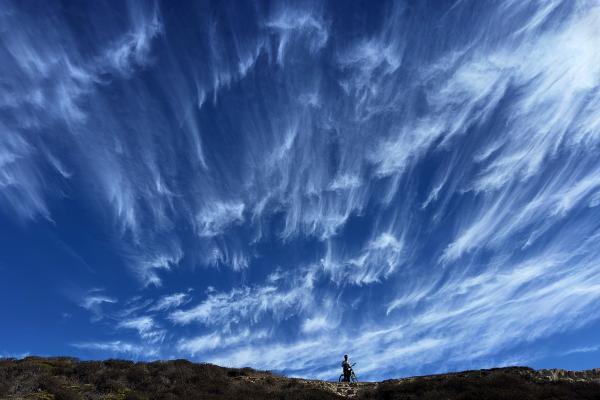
(345, 356)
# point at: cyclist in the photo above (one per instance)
(347, 368)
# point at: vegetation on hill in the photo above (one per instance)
(70, 379)
(62, 378)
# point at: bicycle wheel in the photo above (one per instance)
(353, 378)
(341, 379)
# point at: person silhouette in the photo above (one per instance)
(347, 368)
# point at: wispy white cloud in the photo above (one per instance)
(581, 349)
(54, 88)
(118, 347)
(379, 258)
(250, 304)
(306, 27)
(94, 300)
(346, 181)
(148, 265)
(317, 323)
(21, 184)
(146, 327)
(213, 341)
(217, 216)
(134, 47)
(170, 301)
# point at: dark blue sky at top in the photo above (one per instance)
(275, 184)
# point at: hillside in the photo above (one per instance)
(68, 378)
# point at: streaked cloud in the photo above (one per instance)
(250, 304)
(170, 301)
(213, 341)
(94, 300)
(216, 217)
(146, 327)
(117, 347)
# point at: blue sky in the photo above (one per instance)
(276, 184)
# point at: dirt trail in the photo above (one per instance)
(346, 390)
(350, 390)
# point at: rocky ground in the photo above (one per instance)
(68, 379)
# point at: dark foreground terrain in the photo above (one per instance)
(68, 378)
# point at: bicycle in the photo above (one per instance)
(352, 378)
